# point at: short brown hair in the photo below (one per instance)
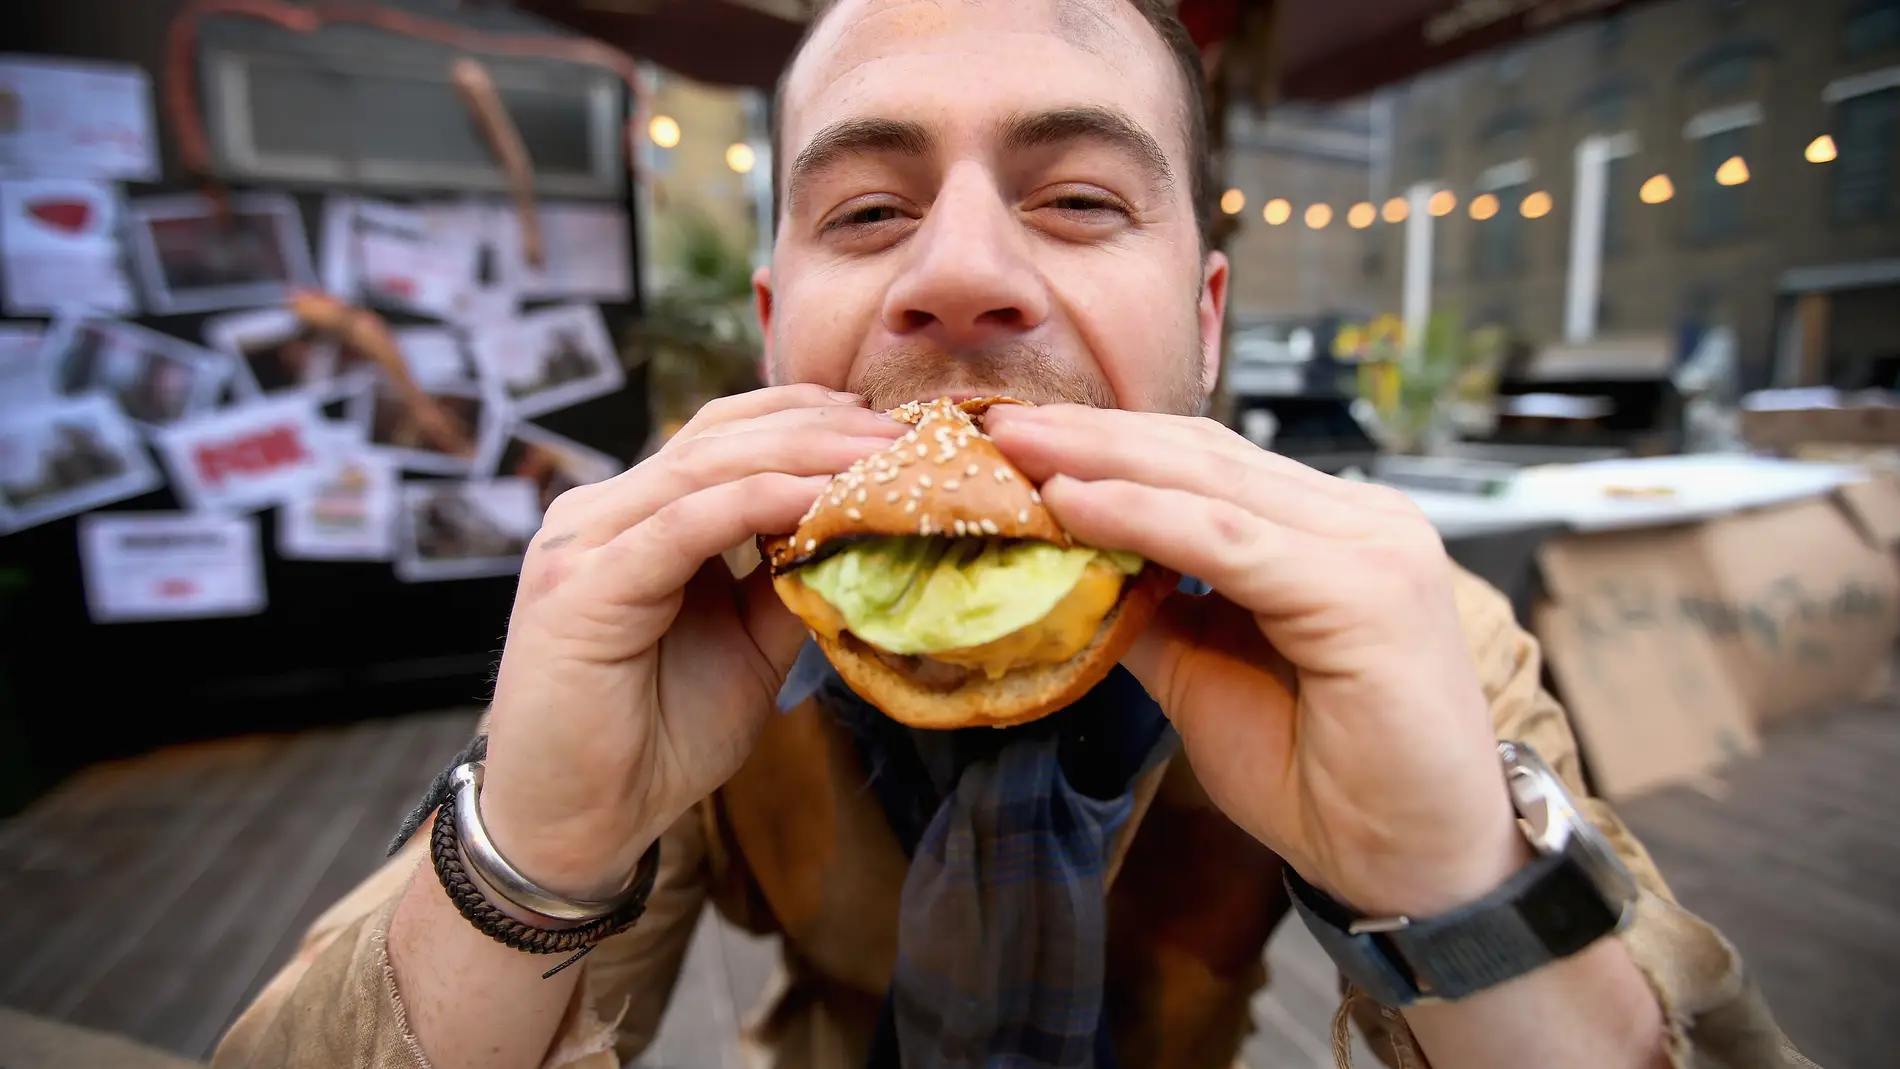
(1160, 15)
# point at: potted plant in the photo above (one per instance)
(699, 338)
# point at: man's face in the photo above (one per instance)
(990, 197)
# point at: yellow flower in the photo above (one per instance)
(1350, 342)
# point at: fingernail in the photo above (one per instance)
(847, 398)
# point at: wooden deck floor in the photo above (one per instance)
(151, 898)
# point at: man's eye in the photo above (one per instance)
(1086, 204)
(866, 216)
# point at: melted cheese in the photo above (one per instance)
(1055, 638)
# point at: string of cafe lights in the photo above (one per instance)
(664, 131)
(1656, 189)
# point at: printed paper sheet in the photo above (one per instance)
(76, 119)
(67, 456)
(59, 247)
(170, 566)
(349, 513)
(249, 457)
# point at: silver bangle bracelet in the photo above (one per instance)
(484, 860)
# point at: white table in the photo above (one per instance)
(1581, 498)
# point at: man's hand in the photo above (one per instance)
(1325, 694)
(637, 671)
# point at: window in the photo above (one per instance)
(1871, 26)
(1612, 32)
(1729, 75)
(1619, 182)
(1866, 129)
(1500, 239)
(1428, 156)
(1718, 208)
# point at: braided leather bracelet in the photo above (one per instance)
(445, 852)
(446, 857)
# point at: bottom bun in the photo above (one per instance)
(1021, 695)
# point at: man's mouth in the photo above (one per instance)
(959, 396)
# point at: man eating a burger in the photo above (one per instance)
(1010, 788)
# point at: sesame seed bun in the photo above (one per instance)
(945, 477)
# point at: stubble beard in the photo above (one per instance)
(1023, 370)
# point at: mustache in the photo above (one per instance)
(1023, 370)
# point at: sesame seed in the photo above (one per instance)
(922, 450)
(1035, 497)
(1001, 475)
(923, 481)
(960, 529)
(860, 496)
(1022, 516)
(810, 544)
(910, 506)
(951, 484)
(891, 498)
(970, 472)
(916, 491)
(989, 527)
(854, 514)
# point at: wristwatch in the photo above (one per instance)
(1573, 893)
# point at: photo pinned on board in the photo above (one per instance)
(465, 530)
(192, 259)
(554, 464)
(67, 457)
(275, 351)
(349, 514)
(550, 359)
(438, 429)
(156, 379)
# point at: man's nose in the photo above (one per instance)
(968, 280)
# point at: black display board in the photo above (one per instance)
(338, 642)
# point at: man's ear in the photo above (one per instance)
(762, 304)
(1213, 313)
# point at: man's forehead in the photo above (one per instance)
(1085, 24)
(858, 32)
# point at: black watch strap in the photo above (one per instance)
(1548, 910)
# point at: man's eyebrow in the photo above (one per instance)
(852, 137)
(1046, 129)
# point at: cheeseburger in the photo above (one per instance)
(942, 590)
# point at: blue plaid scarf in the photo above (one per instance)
(1003, 915)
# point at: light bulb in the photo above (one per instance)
(1443, 203)
(1361, 215)
(1484, 206)
(1733, 172)
(1536, 205)
(664, 130)
(1233, 202)
(1821, 150)
(741, 158)
(1277, 211)
(1318, 215)
(1396, 210)
(1657, 189)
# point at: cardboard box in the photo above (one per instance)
(1867, 418)
(1671, 646)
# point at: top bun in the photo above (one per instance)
(943, 477)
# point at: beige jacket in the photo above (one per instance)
(1192, 902)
